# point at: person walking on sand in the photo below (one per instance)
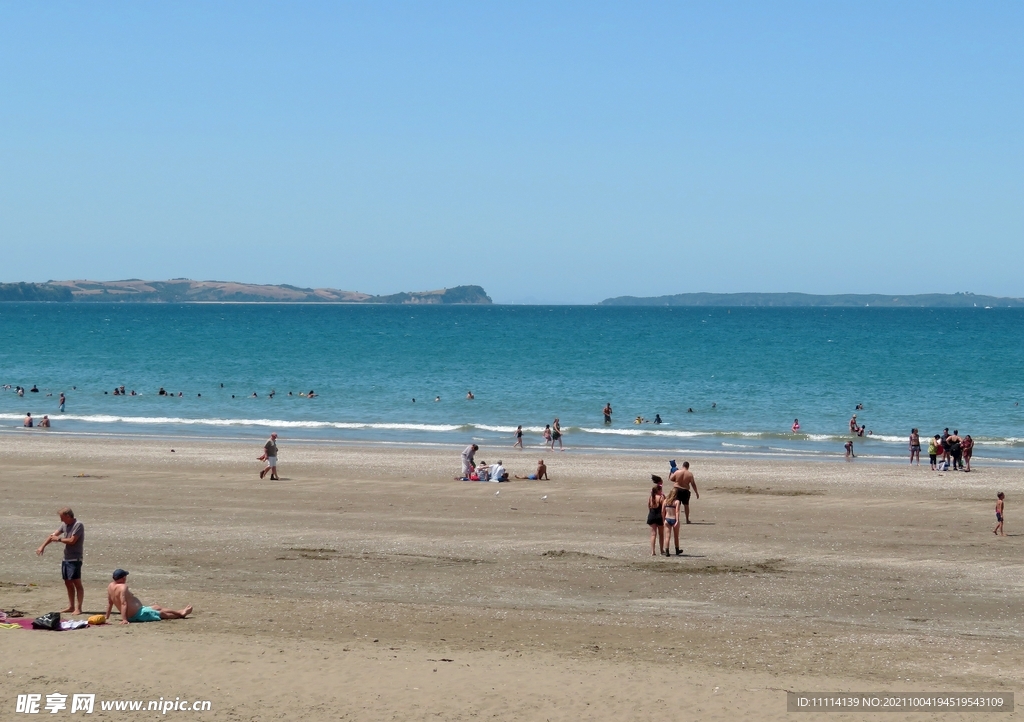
(999, 515)
(547, 437)
(682, 480)
(670, 516)
(131, 609)
(607, 413)
(519, 437)
(270, 456)
(654, 519)
(915, 447)
(70, 533)
(556, 435)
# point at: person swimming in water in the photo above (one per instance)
(657, 418)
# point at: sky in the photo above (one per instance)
(551, 152)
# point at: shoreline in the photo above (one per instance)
(456, 447)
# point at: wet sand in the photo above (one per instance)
(367, 584)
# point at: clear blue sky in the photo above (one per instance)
(551, 152)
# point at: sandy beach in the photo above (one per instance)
(368, 585)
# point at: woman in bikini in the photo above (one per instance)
(654, 520)
(967, 449)
(670, 515)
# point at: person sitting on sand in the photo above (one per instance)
(497, 472)
(131, 609)
(540, 474)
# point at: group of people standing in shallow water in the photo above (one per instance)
(955, 452)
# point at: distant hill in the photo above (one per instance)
(796, 300)
(183, 290)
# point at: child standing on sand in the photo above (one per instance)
(670, 515)
(999, 515)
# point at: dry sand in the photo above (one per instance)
(367, 584)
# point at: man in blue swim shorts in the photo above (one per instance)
(131, 609)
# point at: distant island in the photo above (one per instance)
(807, 300)
(183, 290)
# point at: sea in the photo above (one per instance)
(724, 381)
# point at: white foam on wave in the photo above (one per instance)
(276, 423)
(646, 432)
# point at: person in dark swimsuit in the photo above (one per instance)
(654, 520)
(519, 437)
(556, 435)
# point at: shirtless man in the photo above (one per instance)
(541, 474)
(607, 413)
(683, 480)
(131, 609)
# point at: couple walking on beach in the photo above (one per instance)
(553, 433)
(663, 511)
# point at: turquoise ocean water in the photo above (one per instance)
(746, 373)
